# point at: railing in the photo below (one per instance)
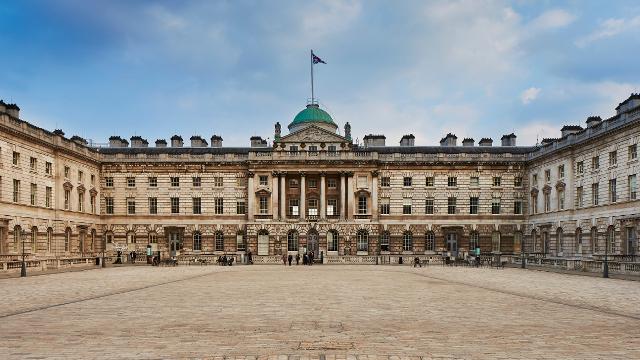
(586, 265)
(46, 264)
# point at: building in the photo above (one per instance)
(315, 190)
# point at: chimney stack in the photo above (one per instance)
(468, 142)
(449, 140)
(509, 140)
(216, 141)
(176, 141)
(407, 140)
(485, 142)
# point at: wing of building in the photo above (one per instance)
(313, 189)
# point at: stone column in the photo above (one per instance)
(343, 212)
(350, 208)
(323, 201)
(274, 194)
(283, 195)
(303, 196)
(374, 195)
(251, 195)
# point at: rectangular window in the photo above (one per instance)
(108, 204)
(175, 181)
(131, 181)
(196, 181)
(580, 167)
(560, 199)
(594, 194)
(332, 183)
(312, 207)
(633, 187)
(613, 158)
(633, 152)
(108, 182)
(428, 207)
(495, 241)
(34, 191)
(48, 169)
(406, 206)
(264, 205)
(451, 205)
(613, 196)
(218, 206)
(473, 205)
(332, 241)
(332, 149)
(385, 181)
(474, 181)
(406, 181)
(33, 164)
(92, 199)
(67, 200)
(313, 149)
(497, 181)
(517, 181)
(294, 207)
(241, 242)
(175, 205)
(241, 207)
(452, 181)
(16, 158)
(16, 190)
(153, 181)
(595, 163)
(196, 205)
(153, 205)
(313, 184)
(517, 207)
(534, 179)
(332, 207)
(293, 183)
(81, 201)
(293, 149)
(48, 196)
(66, 172)
(579, 197)
(80, 176)
(429, 181)
(495, 205)
(131, 206)
(534, 204)
(561, 172)
(264, 180)
(218, 181)
(93, 179)
(547, 175)
(547, 202)
(362, 204)
(385, 206)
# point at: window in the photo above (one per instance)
(217, 181)
(131, 182)
(332, 207)
(406, 181)
(196, 205)
(197, 241)
(66, 172)
(332, 149)
(429, 181)
(241, 181)
(175, 205)
(473, 205)
(362, 240)
(474, 241)
(108, 204)
(108, 182)
(81, 201)
(611, 239)
(47, 168)
(33, 164)
(196, 181)
(429, 241)
(67, 200)
(613, 197)
(292, 241)
(474, 181)
(406, 205)
(560, 199)
(633, 187)
(131, 206)
(495, 241)
(293, 149)
(362, 204)
(313, 149)
(559, 241)
(108, 238)
(313, 183)
(241, 207)
(48, 195)
(517, 181)
(407, 241)
(385, 206)
(561, 172)
(580, 167)
(312, 207)
(579, 197)
(534, 179)
(92, 199)
(67, 239)
(451, 205)
(264, 180)
(613, 158)
(34, 238)
(16, 158)
(294, 207)
(332, 240)
(332, 183)
(517, 207)
(497, 181)
(34, 194)
(131, 238)
(594, 240)
(293, 183)
(80, 176)
(49, 239)
(547, 175)
(241, 241)
(495, 205)
(219, 241)
(153, 205)
(218, 205)
(264, 205)
(594, 194)
(428, 207)
(153, 181)
(547, 202)
(93, 179)
(633, 152)
(16, 190)
(175, 181)
(452, 181)
(595, 163)
(153, 238)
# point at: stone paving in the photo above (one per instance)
(319, 312)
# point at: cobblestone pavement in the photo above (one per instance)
(319, 312)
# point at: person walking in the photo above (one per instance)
(311, 258)
(290, 259)
(250, 258)
(134, 256)
(284, 259)
(298, 259)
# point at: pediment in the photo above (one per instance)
(67, 186)
(312, 134)
(81, 188)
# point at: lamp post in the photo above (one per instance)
(104, 247)
(605, 268)
(23, 269)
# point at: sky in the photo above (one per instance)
(235, 68)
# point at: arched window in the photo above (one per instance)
(578, 241)
(92, 246)
(131, 237)
(429, 241)
(34, 239)
(263, 242)
(474, 241)
(545, 242)
(292, 240)
(108, 237)
(153, 237)
(197, 241)
(362, 240)
(594, 240)
(384, 241)
(219, 241)
(241, 241)
(49, 239)
(17, 233)
(495, 241)
(332, 240)
(67, 239)
(559, 241)
(611, 239)
(407, 241)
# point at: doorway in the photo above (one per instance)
(312, 242)
(175, 243)
(452, 243)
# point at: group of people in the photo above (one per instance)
(225, 260)
(307, 258)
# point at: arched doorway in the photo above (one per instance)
(312, 242)
(263, 242)
(452, 244)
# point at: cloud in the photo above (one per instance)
(536, 130)
(609, 28)
(552, 19)
(529, 95)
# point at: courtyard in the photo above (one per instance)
(322, 312)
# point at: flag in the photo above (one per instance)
(316, 59)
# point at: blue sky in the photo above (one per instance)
(234, 68)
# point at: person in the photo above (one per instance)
(298, 259)
(133, 256)
(284, 259)
(305, 259)
(311, 258)
(290, 259)
(250, 258)
(119, 258)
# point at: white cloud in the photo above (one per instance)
(609, 28)
(534, 131)
(552, 19)
(529, 95)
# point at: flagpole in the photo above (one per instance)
(311, 76)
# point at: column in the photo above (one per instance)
(283, 195)
(374, 195)
(250, 195)
(303, 196)
(323, 201)
(274, 194)
(350, 208)
(343, 212)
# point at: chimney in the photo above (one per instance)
(139, 142)
(548, 141)
(78, 140)
(3, 106)
(449, 140)
(257, 141)
(117, 142)
(570, 129)
(216, 141)
(13, 110)
(407, 140)
(161, 143)
(374, 140)
(594, 120)
(176, 141)
(485, 142)
(197, 141)
(468, 142)
(631, 102)
(58, 132)
(508, 140)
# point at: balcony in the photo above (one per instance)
(263, 216)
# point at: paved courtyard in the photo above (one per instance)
(321, 312)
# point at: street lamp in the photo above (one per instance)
(23, 269)
(104, 247)
(605, 268)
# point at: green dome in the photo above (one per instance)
(312, 113)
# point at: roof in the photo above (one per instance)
(311, 114)
(632, 97)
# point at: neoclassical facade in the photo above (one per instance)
(315, 190)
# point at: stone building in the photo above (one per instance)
(314, 189)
